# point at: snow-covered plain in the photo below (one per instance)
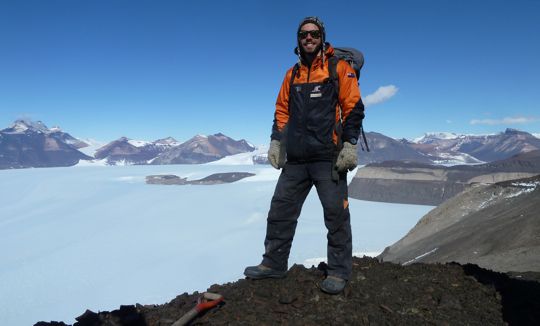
(97, 237)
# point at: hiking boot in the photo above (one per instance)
(261, 271)
(333, 285)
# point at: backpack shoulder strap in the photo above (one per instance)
(294, 72)
(332, 70)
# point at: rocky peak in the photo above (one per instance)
(167, 141)
(24, 125)
(512, 131)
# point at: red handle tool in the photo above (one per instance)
(206, 301)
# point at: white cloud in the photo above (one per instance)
(503, 121)
(382, 94)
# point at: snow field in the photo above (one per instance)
(97, 237)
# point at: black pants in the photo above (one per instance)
(291, 191)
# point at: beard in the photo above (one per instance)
(309, 56)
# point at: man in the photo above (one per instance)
(317, 124)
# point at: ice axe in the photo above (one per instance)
(206, 301)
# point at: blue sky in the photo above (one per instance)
(104, 69)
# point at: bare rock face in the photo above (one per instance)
(494, 226)
(384, 148)
(423, 184)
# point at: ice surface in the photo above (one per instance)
(98, 237)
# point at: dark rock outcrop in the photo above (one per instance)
(216, 178)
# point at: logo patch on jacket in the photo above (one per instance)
(351, 75)
(316, 92)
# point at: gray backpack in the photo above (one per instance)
(354, 57)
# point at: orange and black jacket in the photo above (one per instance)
(308, 118)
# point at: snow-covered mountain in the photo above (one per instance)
(203, 149)
(429, 137)
(454, 148)
(129, 151)
(31, 144)
(93, 146)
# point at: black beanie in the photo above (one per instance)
(314, 20)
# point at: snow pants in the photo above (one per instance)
(292, 188)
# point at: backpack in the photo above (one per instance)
(355, 59)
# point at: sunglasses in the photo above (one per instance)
(314, 34)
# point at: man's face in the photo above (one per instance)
(309, 43)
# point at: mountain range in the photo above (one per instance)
(448, 148)
(31, 144)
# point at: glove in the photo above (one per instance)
(347, 158)
(275, 155)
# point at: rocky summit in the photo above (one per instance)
(377, 294)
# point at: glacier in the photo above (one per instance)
(96, 237)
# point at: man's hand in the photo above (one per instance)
(347, 158)
(275, 155)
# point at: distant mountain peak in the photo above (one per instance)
(22, 125)
(219, 134)
(167, 141)
(512, 131)
(28, 143)
(429, 136)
